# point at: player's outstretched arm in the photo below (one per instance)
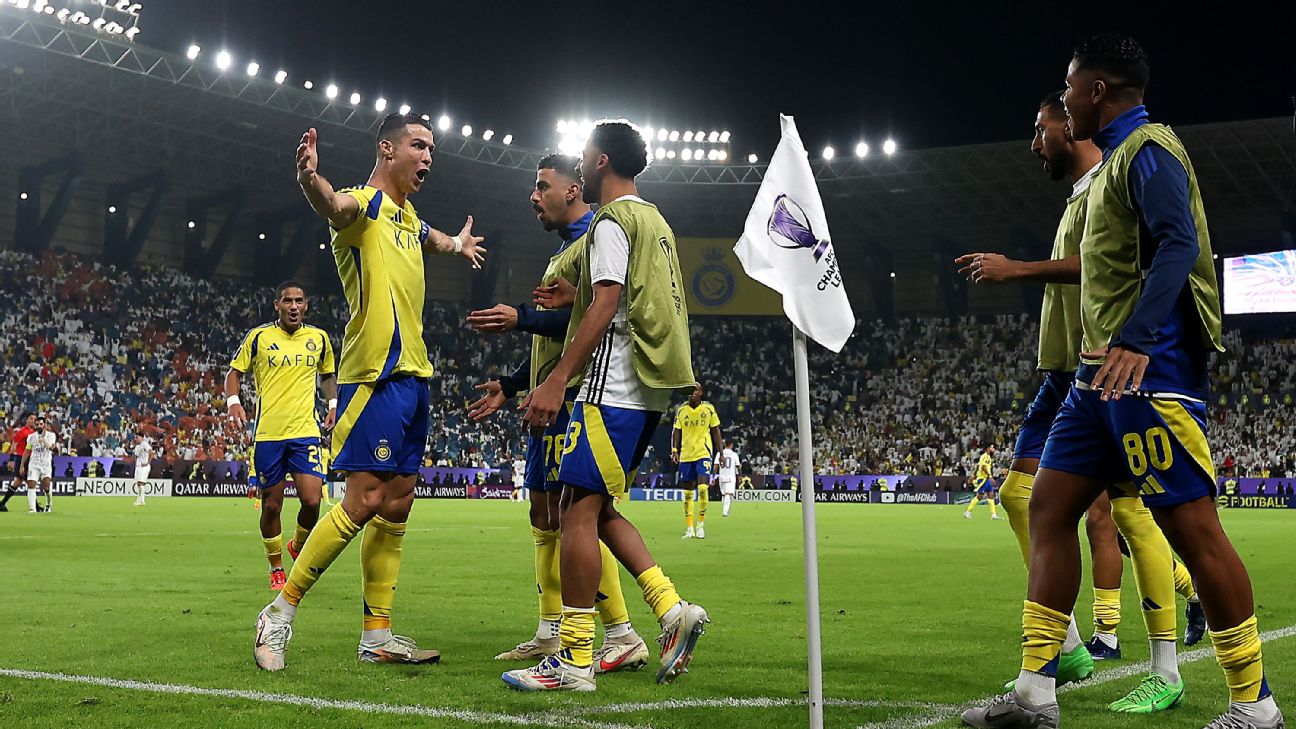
(998, 268)
(339, 210)
(465, 244)
(557, 294)
(492, 399)
(233, 384)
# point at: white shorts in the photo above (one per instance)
(727, 486)
(38, 471)
(141, 473)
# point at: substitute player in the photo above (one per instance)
(984, 483)
(559, 204)
(383, 399)
(38, 464)
(629, 335)
(26, 426)
(143, 455)
(1059, 346)
(695, 440)
(727, 465)
(285, 358)
(1150, 315)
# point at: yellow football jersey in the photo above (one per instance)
(284, 367)
(695, 424)
(984, 466)
(380, 261)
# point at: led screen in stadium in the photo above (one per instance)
(1260, 284)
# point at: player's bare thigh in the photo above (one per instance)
(378, 492)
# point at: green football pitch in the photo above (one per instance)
(129, 617)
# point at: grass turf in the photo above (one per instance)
(919, 605)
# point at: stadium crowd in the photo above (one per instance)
(105, 353)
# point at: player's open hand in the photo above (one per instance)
(307, 156)
(986, 267)
(237, 415)
(491, 400)
(558, 294)
(475, 254)
(497, 319)
(330, 419)
(543, 403)
(1120, 367)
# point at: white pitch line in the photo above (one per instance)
(754, 702)
(551, 719)
(940, 713)
(245, 533)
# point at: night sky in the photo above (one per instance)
(929, 74)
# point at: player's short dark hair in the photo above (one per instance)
(290, 284)
(564, 164)
(393, 126)
(1118, 56)
(623, 144)
(1053, 102)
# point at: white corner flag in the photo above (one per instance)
(786, 246)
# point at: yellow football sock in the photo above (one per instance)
(610, 600)
(332, 534)
(577, 634)
(658, 591)
(380, 558)
(1183, 581)
(991, 502)
(704, 498)
(972, 504)
(1150, 555)
(1043, 632)
(274, 550)
(688, 507)
(1238, 652)
(1015, 499)
(300, 536)
(1106, 610)
(548, 580)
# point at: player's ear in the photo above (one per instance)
(385, 149)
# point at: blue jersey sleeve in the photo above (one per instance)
(516, 382)
(548, 323)
(1159, 188)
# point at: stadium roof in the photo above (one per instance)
(132, 110)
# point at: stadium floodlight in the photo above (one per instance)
(861, 150)
(426, 118)
(661, 135)
(404, 109)
(661, 153)
(688, 137)
(486, 135)
(331, 91)
(562, 126)
(223, 60)
(261, 236)
(699, 136)
(355, 98)
(670, 154)
(192, 225)
(321, 246)
(1215, 256)
(112, 209)
(647, 133)
(724, 137)
(713, 137)
(687, 154)
(308, 85)
(829, 152)
(281, 76)
(751, 158)
(194, 50)
(443, 123)
(674, 135)
(893, 274)
(466, 130)
(22, 196)
(253, 68)
(508, 139)
(889, 147)
(380, 104)
(724, 155)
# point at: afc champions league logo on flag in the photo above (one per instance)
(789, 227)
(713, 284)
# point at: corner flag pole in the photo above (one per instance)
(814, 643)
